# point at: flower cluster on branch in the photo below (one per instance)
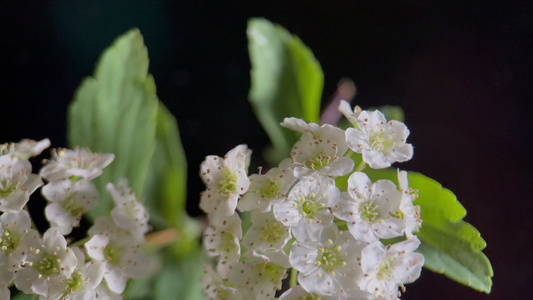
(314, 216)
(46, 265)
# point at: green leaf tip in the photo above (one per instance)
(286, 80)
(115, 111)
(450, 245)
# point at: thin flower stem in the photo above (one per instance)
(294, 277)
(361, 166)
(80, 242)
(348, 153)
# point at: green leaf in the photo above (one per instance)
(115, 112)
(286, 81)
(166, 183)
(22, 296)
(450, 246)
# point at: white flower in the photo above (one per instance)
(266, 190)
(386, 268)
(16, 237)
(306, 209)
(372, 211)
(119, 251)
(266, 232)
(328, 265)
(81, 285)
(321, 151)
(221, 240)
(6, 278)
(128, 213)
(25, 148)
(214, 287)
(66, 163)
(299, 293)
(104, 293)
(226, 178)
(260, 274)
(346, 110)
(69, 201)
(300, 125)
(17, 183)
(48, 265)
(410, 212)
(380, 141)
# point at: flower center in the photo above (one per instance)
(318, 161)
(270, 189)
(8, 186)
(385, 270)
(227, 184)
(70, 206)
(113, 254)
(309, 206)
(369, 211)
(329, 259)
(75, 282)
(270, 271)
(48, 265)
(378, 142)
(9, 241)
(228, 241)
(272, 232)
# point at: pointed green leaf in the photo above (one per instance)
(115, 112)
(166, 184)
(450, 246)
(286, 81)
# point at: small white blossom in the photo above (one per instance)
(6, 278)
(69, 200)
(328, 265)
(66, 163)
(16, 237)
(410, 212)
(25, 148)
(119, 251)
(372, 211)
(104, 293)
(321, 151)
(266, 190)
(221, 240)
(260, 274)
(266, 232)
(217, 288)
(128, 212)
(48, 265)
(306, 209)
(17, 183)
(226, 178)
(346, 110)
(300, 125)
(380, 141)
(299, 293)
(386, 268)
(81, 285)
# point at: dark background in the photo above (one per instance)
(460, 69)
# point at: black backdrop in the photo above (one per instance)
(460, 70)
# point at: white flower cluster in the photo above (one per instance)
(46, 265)
(330, 238)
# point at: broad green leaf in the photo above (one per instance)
(166, 183)
(286, 81)
(450, 246)
(115, 112)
